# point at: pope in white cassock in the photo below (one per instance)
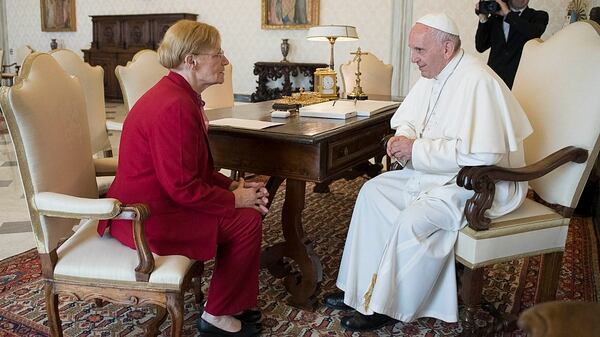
(398, 260)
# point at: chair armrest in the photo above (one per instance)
(482, 180)
(66, 206)
(105, 166)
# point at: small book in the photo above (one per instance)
(343, 109)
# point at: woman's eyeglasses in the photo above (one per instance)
(220, 54)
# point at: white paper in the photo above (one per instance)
(243, 123)
(346, 108)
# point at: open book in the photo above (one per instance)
(343, 109)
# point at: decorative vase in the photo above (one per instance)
(53, 44)
(285, 48)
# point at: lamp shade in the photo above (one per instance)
(339, 32)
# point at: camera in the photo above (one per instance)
(488, 7)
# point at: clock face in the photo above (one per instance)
(328, 82)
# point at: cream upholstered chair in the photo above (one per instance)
(20, 55)
(557, 85)
(45, 112)
(139, 75)
(220, 95)
(375, 78)
(92, 82)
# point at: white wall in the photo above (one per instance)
(239, 22)
(243, 39)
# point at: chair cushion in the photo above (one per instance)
(530, 230)
(86, 256)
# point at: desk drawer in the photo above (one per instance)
(356, 147)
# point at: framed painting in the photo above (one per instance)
(58, 15)
(290, 14)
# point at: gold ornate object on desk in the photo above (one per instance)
(357, 92)
(298, 100)
(326, 82)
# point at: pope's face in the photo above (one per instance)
(426, 52)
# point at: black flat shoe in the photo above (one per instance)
(249, 316)
(248, 330)
(360, 322)
(336, 301)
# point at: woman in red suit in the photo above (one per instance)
(165, 162)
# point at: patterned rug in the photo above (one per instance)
(326, 216)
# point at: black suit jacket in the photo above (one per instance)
(505, 54)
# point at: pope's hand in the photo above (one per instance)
(400, 147)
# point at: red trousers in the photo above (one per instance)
(234, 284)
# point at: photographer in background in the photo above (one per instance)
(505, 27)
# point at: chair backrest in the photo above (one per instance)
(45, 112)
(139, 75)
(21, 53)
(557, 84)
(92, 82)
(375, 78)
(220, 95)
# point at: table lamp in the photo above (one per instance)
(332, 33)
(326, 78)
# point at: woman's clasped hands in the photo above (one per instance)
(251, 195)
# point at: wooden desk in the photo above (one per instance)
(303, 149)
(272, 71)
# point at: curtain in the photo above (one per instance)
(3, 32)
(401, 25)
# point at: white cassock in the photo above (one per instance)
(399, 254)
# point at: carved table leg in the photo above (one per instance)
(304, 284)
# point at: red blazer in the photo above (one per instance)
(165, 162)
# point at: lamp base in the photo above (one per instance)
(359, 97)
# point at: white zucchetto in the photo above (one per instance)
(439, 21)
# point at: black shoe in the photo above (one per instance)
(336, 301)
(249, 316)
(360, 322)
(248, 330)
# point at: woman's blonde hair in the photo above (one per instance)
(187, 37)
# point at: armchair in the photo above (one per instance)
(92, 82)
(376, 78)
(58, 174)
(560, 155)
(139, 75)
